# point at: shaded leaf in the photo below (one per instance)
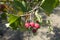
(49, 5)
(20, 5)
(4, 16)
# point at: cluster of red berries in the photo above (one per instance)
(32, 25)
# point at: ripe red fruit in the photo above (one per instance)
(37, 26)
(32, 24)
(34, 30)
(27, 25)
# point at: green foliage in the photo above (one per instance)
(12, 18)
(20, 5)
(23, 6)
(16, 22)
(4, 16)
(13, 21)
(49, 5)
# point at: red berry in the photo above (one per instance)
(32, 24)
(27, 25)
(37, 26)
(34, 30)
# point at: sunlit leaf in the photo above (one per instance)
(12, 18)
(38, 16)
(15, 24)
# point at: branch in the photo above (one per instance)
(25, 15)
(36, 7)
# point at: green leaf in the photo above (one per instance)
(39, 18)
(15, 25)
(20, 5)
(23, 3)
(16, 22)
(49, 5)
(16, 7)
(12, 18)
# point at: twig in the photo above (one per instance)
(36, 7)
(25, 15)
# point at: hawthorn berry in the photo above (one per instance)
(37, 26)
(27, 24)
(34, 30)
(32, 24)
